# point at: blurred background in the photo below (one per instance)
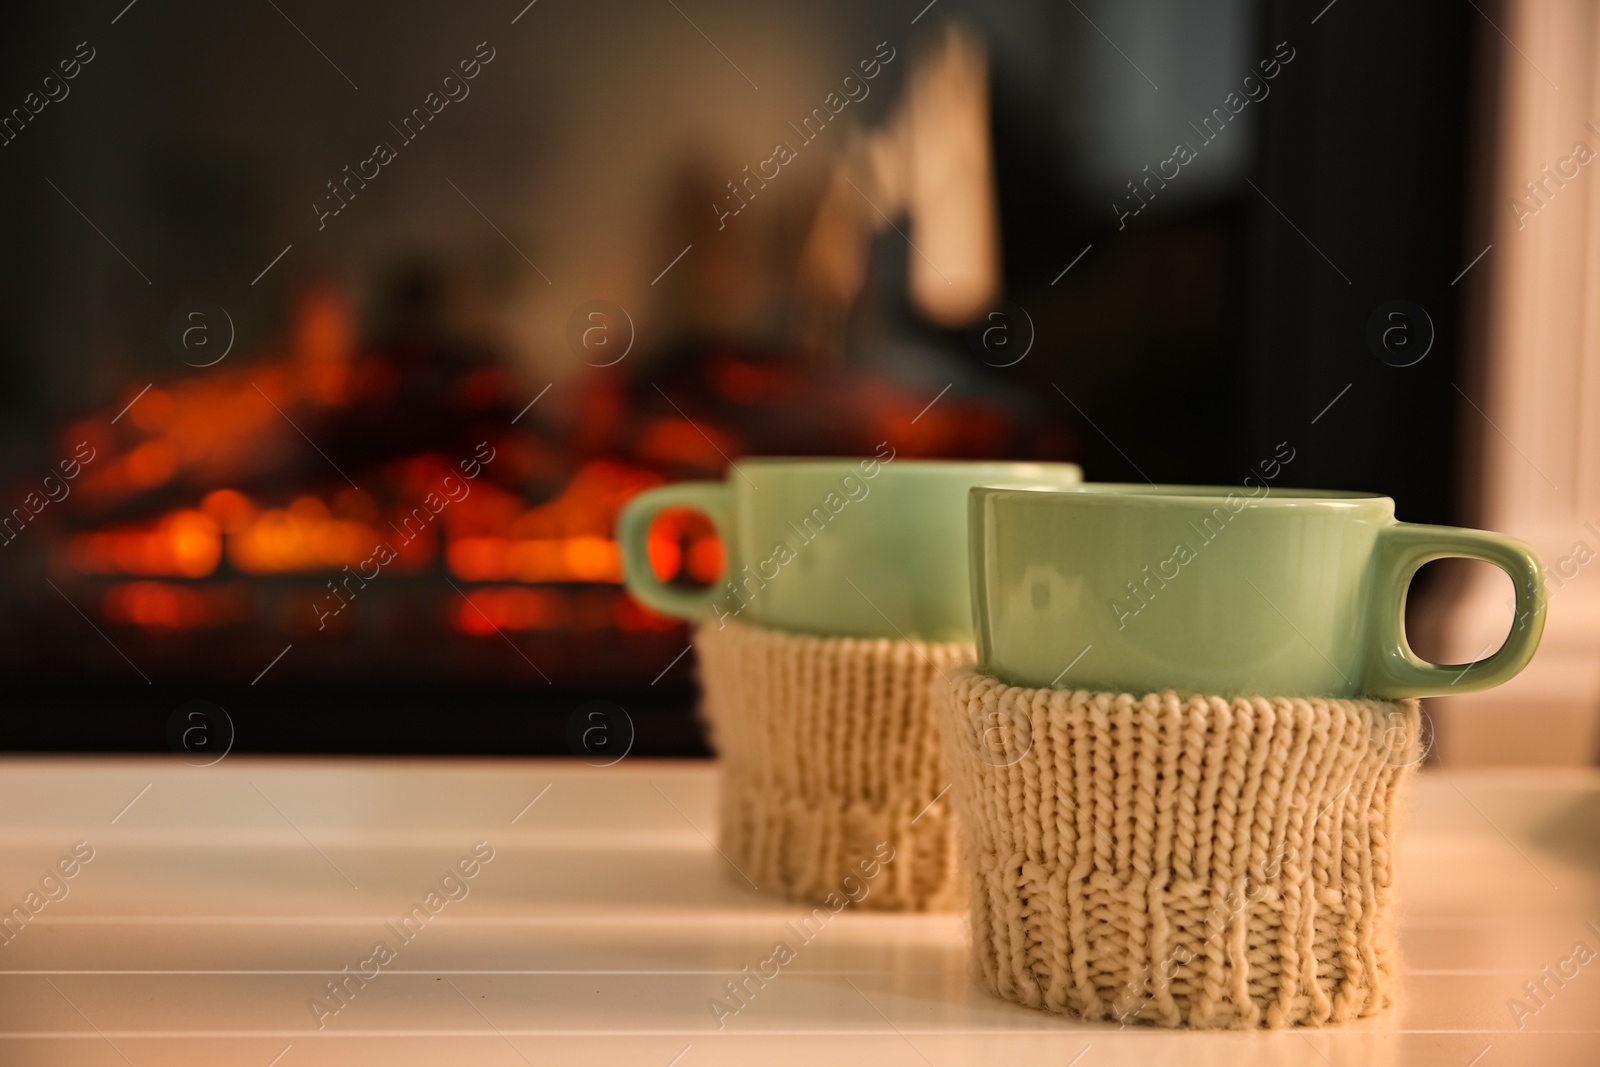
(286, 281)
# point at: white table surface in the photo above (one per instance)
(221, 900)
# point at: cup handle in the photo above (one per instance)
(633, 530)
(1403, 548)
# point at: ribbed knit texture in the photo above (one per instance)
(828, 747)
(1183, 861)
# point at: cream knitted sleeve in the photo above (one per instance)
(828, 748)
(1184, 861)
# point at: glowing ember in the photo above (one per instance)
(171, 605)
(303, 537)
(497, 559)
(491, 537)
(186, 544)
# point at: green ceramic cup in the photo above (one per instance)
(1140, 589)
(852, 548)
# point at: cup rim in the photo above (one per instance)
(1011, 468)
(1140, 494)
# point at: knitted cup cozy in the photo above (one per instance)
(1183, 861)
(828, 748)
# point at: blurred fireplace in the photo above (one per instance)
(213, 524)
(394, 512)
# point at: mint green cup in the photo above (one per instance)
(1139, 589)
(852, 548)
